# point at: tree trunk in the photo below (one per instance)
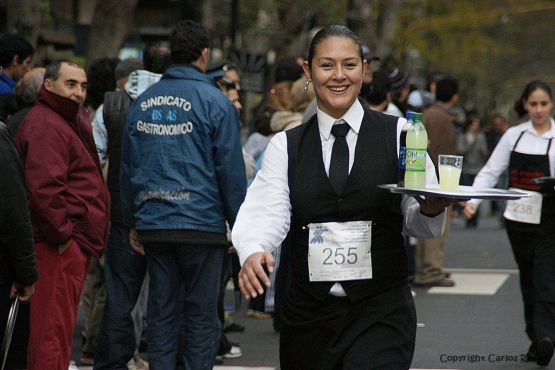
(293, 21)
(375, 22)
(192, 9)
(387, 25)
(23, 17)
(110, 26)
(208, 20)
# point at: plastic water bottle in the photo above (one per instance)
(403, 150)
(417, 143)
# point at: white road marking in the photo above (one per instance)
(473, 283)
(485, 271)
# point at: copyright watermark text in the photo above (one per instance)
(482, 358)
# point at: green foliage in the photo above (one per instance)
(275, 19)
(449, 34)
(492, 46)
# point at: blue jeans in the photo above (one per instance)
(124, 271)
(182, 305)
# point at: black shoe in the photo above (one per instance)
(234, 327)
(544, 351)
(443, 282)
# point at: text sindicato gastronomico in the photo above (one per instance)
(165, 130)
(173, 101)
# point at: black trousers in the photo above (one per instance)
(535, 256)
(375, 333)
(282, 283)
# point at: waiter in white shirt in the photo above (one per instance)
(349, 305)
(528, 152)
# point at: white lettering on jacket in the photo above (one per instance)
(165, 130)
(165, 195)
(173, 101)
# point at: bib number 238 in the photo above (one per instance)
(526, 210)
(340, 251)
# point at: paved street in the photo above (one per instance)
(478, 324)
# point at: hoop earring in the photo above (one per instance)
(306, 83)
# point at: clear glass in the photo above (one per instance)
(450, 168)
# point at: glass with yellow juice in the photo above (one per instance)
(450, 168)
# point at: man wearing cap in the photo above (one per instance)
(400, 89)
(369, 72)
(379, 96)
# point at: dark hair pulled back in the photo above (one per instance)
(335, 30)
(528, 90)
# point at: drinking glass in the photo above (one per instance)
(450, 167)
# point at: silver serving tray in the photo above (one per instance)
(463, 193)
(544, 180)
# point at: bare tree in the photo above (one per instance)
(23, 17)
(192, 9)
(376, 22)
(110, 26)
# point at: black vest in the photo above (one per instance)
(116, 105)
(314, 200)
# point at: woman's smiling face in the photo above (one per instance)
(336, 72)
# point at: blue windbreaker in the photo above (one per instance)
(181, 161)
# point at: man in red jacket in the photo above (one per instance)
(69, 206)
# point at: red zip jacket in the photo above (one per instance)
(68, 198)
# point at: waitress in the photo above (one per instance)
(349, 305)
(528, 151)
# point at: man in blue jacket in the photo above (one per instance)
(15, 60)
(182, 177)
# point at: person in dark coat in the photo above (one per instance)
(182, 176)
(18, 269)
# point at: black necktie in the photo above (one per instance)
(339, 164)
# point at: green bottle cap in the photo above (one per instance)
(417, 117)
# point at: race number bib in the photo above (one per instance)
(339, 251)
(526, 210)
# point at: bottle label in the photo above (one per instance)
(402, 157)
(416, 160)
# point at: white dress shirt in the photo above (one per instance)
(264, 218)
(530, 143)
